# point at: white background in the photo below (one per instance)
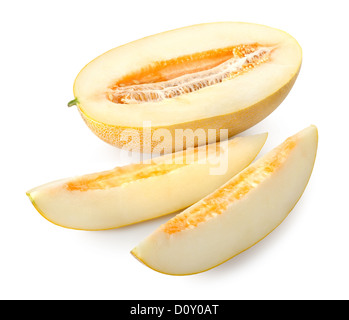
(44, 46)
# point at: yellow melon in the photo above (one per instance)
(235, 216)
(143, 191)
(204, 77)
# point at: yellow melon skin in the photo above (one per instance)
(235, 122)
(175, 81)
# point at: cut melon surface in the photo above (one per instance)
(143, 191)
(227, 75)
(235, 216)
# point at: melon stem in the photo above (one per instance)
(73, 102)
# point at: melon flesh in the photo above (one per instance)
(210, 76)
(138, 192)
(235, 216)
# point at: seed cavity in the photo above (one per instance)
(120, 176)
(241, 59)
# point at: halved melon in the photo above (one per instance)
(235, 216)
(137, 192)
(210, 76)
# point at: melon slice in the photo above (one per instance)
(235, 216)
(138, 192)
(210, 76)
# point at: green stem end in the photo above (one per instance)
(73, 102)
